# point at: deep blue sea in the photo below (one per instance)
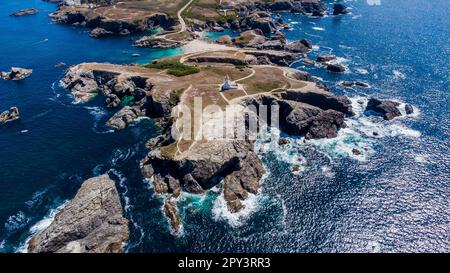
(394, 197)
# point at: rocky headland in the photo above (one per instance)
(257, 61)
(9, 115)
(16, 73)
(24, 12)
(195, 166)
(92, 222)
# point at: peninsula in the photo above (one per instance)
(255, 66)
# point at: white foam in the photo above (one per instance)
(398, 75)
(356, 141)
(96, 111)
(326, 170)
(16, 221)
(318, 28)
(40, 226)
(220, 210)
(362, 71)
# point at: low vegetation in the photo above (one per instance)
(174, 68)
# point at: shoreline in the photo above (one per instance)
(202, 46)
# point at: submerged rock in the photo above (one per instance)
(60, 65)
(389, 109)
(16, 73)
(92, 222)
(409, 109)
(339, 9)
(24, 12)
(9, 115)
(337, 68)
(325, 58)
(351, 84)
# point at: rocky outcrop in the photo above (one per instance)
(313, 114)
(314, 7)
(92, 222)
(354, 83)
(301, 46)
(409, 109)
(310, 121)
(224, 40)
(125, 116)
(90, 18)
(336, 68)
(171, 212)
(157, 42)
(16, 73)
(325, 58)
(339, 9)
(9, 115)
(281, 58)
(387, 108)
(100, 32)
(24, 12)
(204, 166)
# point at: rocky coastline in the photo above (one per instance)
(92, 222)
(260, 51)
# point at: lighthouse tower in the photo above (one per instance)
(228, 84)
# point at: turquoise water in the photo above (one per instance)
(394, 198)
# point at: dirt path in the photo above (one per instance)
(180, 18)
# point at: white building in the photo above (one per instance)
(228, 84)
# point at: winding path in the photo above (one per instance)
(180, 18)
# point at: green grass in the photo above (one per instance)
(174, 68)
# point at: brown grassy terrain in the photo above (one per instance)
(252, 79)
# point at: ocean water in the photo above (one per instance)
(394, 197)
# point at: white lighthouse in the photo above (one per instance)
(228, 84)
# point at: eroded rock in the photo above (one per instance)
(92, 222)
(387, 108)
(9, 115)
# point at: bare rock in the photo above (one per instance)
(339, 9)
(100, 33)
(409, 109)
(125, 116)
(171, 212)
(9, 115)
(388, 109)
(224, 40)
(325, 58)
(24, 12)
(302, 46)
(336, 68)
(16, 73)
(92, 222)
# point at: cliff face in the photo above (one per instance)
(92, 222)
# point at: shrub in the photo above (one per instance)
(174, 68)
